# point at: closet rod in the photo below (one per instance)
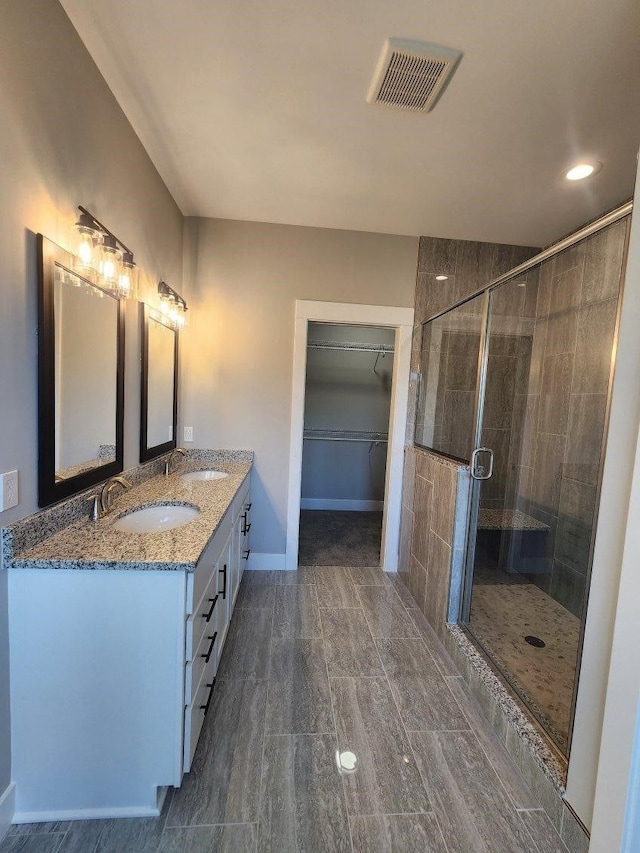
(351, 346)
(346, 435)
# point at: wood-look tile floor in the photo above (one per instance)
(338, 724)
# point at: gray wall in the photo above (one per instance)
(64, 142)
(237, 355)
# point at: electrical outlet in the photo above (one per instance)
(9, 490)
(188, 433)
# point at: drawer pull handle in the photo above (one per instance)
(246, 507)
(208, 615)
(245, 554)
(246, 529)
(207, 654)
(223, 572)
(205, 707)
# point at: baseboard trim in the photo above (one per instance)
(85, 814)
(345, 506)
(7, 808)
(266, 562)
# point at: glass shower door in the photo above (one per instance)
(541, 413)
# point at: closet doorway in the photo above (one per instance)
(349, 407)
(344, 451)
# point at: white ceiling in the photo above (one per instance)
(255, 110)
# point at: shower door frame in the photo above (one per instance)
(473, 504)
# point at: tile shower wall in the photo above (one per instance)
(430, 548)
(557, 474)
(468, 266)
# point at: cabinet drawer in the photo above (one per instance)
(204, 663)
(205, 614)
(194, 716)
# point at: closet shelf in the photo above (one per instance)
(356, 346)
(345, 435)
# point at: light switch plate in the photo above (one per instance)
(9, 490)
(188, 433)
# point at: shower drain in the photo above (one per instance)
(535, 641)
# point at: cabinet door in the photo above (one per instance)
(225, 590)
(235, 559)
(245, 527)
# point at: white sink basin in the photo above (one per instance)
(204, 475)
(154, 519)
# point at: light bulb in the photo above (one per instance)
(109, 269)
(582, 170)
(85, 251)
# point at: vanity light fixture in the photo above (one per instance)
(103, 258)
(172, 306)
(582, 170)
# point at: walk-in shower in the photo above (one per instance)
(516, 382)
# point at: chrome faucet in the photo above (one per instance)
(105, 494)
(172, 455)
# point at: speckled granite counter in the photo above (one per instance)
(64, 537)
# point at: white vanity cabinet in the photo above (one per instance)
(214, 585)
(112, 673)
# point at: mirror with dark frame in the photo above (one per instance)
(80, 378)
(159, 386)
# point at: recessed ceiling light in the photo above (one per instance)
(442, 277)
(582, 170)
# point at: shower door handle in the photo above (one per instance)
(478, 471)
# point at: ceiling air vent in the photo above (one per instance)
(412, 74)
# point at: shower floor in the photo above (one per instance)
(334, 538)
(506, 608)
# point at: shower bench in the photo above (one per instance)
(518, 540)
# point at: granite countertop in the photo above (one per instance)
(86, 544)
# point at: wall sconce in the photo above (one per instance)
(101, 257)
(172, 306)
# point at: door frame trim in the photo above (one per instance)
(399, 319)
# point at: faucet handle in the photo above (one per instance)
(96, 508)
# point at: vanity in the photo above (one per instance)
(116, 637)
(122, 587)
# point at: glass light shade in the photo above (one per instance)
(110, 263)
(86, 240)
(128, 277)
(181, 316)
(166, 306)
